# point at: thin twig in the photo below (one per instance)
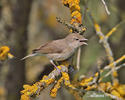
(106, 8)
(117, 68)
(78, 58)
(116, 62)
(114, 29)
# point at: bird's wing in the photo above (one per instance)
(55, 46)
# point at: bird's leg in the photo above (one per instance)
(57, 63)
(51, 61)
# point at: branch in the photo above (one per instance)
(106, 8)
(114, 29)
(79, 28)
(117, 68)
(109, 53)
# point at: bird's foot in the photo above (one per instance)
(59, 71)
(55, 66)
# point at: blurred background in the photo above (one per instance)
(26, 24)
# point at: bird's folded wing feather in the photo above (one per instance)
(55, 46)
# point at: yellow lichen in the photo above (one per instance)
(2, 91)
(116, 93)
(25, 97)
(74, 9)
(53, 92)
(29, 90)
(85, 81)
(97, 27)
(10, 56)
(76, 17)
(90, 87)
(4, 53)
(121, 89)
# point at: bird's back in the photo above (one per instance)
(56, 46)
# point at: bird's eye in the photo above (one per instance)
(76, 39)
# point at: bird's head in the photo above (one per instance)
(76, 40)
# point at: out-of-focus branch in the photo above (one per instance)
(4, 53)
(106, 8)
(116, 62)
(104, 41)
(114, 29)
(114, 91)
(117, 68)
(109, 67)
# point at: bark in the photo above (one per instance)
(20, 11)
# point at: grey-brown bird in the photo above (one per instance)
(61, 49)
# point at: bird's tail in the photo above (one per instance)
(30, 55)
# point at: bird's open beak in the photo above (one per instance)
(84, 41)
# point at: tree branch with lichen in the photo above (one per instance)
(35, 89)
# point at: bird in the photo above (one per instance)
(61, 49)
